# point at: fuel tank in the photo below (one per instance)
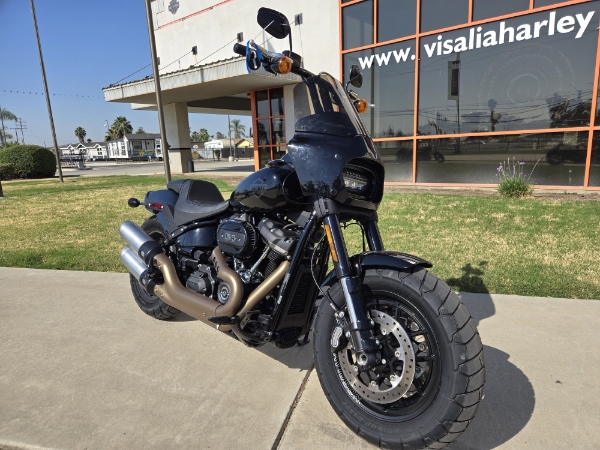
(273, 187)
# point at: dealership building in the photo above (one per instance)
(456, 87)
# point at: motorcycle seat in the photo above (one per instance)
(198, 200)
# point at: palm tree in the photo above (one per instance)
(5, 114)
(238, 130)
(120, 127)
(80, 133)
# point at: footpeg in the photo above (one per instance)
(223, 320)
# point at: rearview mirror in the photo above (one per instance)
(356, 78)
(273, 22)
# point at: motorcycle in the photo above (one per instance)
(396, 352)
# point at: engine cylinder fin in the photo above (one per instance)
(274, 261)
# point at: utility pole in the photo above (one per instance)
(20, 127)
(230, 146)
(161, 116)
(3, 135)
(37, 35)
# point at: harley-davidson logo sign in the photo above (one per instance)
(174, 6)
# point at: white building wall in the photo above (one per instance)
(317, 39)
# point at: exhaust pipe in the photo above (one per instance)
(142, 249)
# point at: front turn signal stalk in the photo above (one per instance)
(284, 65)
(361, 105)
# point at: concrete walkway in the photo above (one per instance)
(82, 368)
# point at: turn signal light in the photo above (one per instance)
(361, 105)
(284, 65)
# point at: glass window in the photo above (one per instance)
(436, 14)
(540, 3)
(388, 84)
(264, 156)
(396, 19)
(397, 157)
(277, 102)
(262, 103)
(552, 159)
(278, 152)
(278, 127)
(594, 179)
(484, 9)
(516, 74)
(358, 24)
(263, 132)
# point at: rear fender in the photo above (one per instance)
(377, 260)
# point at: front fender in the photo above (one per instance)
(378, 260)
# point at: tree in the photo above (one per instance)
(89, 140)
(5, 114)
(219, 135)
(238, 130)
(200, 136)
(80, 133)
(140, 130)
(119, 128)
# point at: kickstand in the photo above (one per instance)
(305, 340)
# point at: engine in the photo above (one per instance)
(257, 250)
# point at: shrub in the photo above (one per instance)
(29, 161)
(6, 172)
(512, 181)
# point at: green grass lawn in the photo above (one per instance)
(477, 244)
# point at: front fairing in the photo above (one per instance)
(319, 160)
(329, 135)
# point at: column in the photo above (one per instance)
(178, 136)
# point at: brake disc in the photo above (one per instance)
(391, 384)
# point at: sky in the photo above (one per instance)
(87, 46)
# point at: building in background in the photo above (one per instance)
(92, 151)
(456, 86)
(135, 147)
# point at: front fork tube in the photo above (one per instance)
(373, 236)
(360, 326)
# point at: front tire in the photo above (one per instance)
(151, 304)
(447, 383)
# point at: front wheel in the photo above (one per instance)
(429, 384)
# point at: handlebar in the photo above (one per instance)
(268, 57)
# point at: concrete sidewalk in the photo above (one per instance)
(82, 367)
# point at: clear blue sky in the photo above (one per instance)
(87, 45)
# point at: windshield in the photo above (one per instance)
(321, 105)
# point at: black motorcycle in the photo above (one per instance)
(396, 352)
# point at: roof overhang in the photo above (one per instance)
(237, 106)
(219, 79)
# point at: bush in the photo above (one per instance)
(7, 172)
(29, 161)
(512, 181)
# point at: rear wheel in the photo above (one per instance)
(151, 304)
(430, 381)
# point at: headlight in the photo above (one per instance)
(357, 180)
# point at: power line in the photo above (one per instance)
(14, 91)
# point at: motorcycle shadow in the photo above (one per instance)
(509, 397)
(507, 406)
(299, 357)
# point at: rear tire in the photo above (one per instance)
(450, 382)
(150, 304)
